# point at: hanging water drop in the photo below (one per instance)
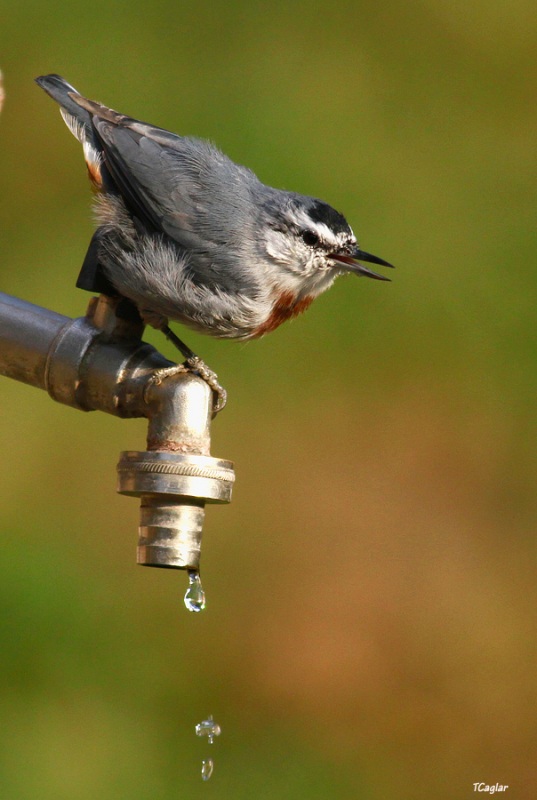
(195, 596)
(207, 767)
(208, 728)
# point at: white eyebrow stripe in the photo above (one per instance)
(303, 220)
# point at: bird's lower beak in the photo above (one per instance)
(351, 263)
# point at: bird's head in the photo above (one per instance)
(312, 242)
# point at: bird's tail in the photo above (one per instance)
(78, 120)
(62, 92)
(59, 90)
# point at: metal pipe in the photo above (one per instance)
(27, 333)
(98, 362)
(93, 363)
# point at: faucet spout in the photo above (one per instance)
(175, 476)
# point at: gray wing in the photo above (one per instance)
(180, 186)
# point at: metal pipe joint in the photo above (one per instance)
(98, 362)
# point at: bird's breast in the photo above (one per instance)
(286, 305)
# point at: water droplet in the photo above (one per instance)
(208, 728)
(207, 766)
(195, 596)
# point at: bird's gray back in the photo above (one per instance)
(188, 190)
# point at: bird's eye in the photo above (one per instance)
(310, 238)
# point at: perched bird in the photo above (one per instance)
(188, 235)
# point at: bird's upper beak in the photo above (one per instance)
(351, 263)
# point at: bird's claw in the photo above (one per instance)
(195, 364)
(198, 367)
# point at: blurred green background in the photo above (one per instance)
(370, 630)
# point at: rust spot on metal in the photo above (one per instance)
(285, 307)
(171, 446)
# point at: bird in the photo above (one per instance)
(186, 234)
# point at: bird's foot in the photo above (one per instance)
(159, 375)
(193, 363)
(197, 367)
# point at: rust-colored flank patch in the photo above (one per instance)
(286, 307)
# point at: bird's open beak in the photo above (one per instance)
(351, 263)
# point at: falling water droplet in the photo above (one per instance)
(207, 767)
(208, 728)
(195, 596)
